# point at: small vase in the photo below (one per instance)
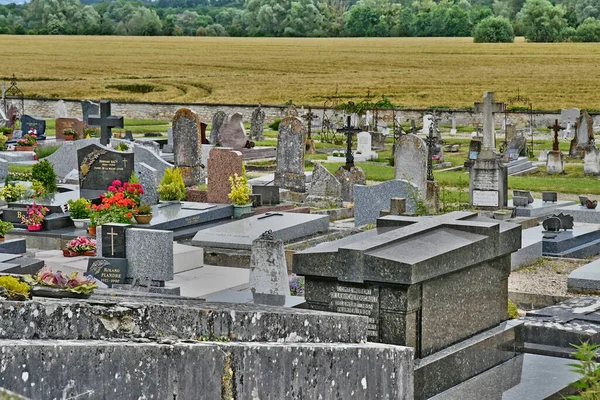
(143, 219)
(37, 227)
(240, 210)
(80, 222)
(25, 148)
(90, 253)
(92, 230)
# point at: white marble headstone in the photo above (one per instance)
(364, 143)
(427, 122)
(60, 110)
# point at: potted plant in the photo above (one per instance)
(11, 193)
(240, 195)
(172, 187)
(5, 227)
(69, 134)
(80, 246)
(34, 217)
(143, 214)
(28, 141)
(7, 132)
(80, 211)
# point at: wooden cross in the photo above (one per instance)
(105, 121)
(349, 131)
(488, 108)
(556, 127)
(112, 235)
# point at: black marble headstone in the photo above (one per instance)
(109, 271)
(99, 166)
(89, 108)
(113, 240)
(28, 122)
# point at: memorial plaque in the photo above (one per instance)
(358, 300)
(99, 166)
(550, 197)
(110, 271)
(485, 198)
(113, 240)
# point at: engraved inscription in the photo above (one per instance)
(358, 301)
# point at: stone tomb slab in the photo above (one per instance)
(585, 278)
(240, 234)
(170, 216)
(582, 242)
(581, 213)
(539, 208)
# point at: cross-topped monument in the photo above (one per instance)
(105, 121)
(309, 117)
(488, 108)
(349, 131)
(431, 142)
(556, 127)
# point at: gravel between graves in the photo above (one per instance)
(547, 276)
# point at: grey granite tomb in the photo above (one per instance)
(369, 201)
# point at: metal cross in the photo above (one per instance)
(556, 127)
(309, 117)
(112, 235)
(270, 214)
(431, 141)
(349, 131)
(105, 121)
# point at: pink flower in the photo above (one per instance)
(112, 189)
(117, 182)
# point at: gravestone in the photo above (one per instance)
(516, 147)
(89, 108)
(62, 124)
(474, 149)
(378, 140)
(168, 148)
(550, 197)
(569, 118)
(150, 256)
(591, 161)
(113, 240)
(222, 163)
(257, 124)
(289, 173)
(99, 166)
(555, 163)
(187, 149)
(349, 178)
(511, 132)
(60, 109)
(149, 179)
(363, 145)
(410, 161)
(110, 271)
(525, 194)
(323, 183)
(219, 119)
(269, 194)
(233, 134)
(268, 269)
(28, 122)
(427, 122)
(203, 139)
(488, 108)
(584, 135)
(369, 201)
(12, 115)
(105, 121)
(453, 130)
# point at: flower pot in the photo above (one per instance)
(239, 211)
(34, 227)
(70, 253)
(68, 137)
(25, 148)
(8, 136)
(143, 219)
(90, 253)
(2, 239)
(92, 230)
(80, 222)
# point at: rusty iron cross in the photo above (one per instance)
(556, 127)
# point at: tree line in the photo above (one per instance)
(485, 20)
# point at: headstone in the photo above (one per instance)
(555, 163)
(569, 118)
(427, 122)
(149, 179)
(39, 124)
(511, 132)
(257, 124)
(453, 130)
(129, 135)
(105, 121)
(149, 255)
(113, 240)
(323, 183)
(410, 161)
(203, 139)
(268, 269)
(516, 147)
(89, 108)
(349, 178)
(524, 193)
(60, 109)
(290, 155)
(378, 140)
(585, 133)
(364, 143)
(99, 166)
(268, 194)
(12, 115)
(369, 201)
(219, 119)
(62, 124)
(397, 206)
(110, 271)
(168, 148)
(233, 134)
(187, 149)
(591, 161)
(519, 201)
(222, 164)
(550, 197)
(488, 108)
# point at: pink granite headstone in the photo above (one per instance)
(222, 163)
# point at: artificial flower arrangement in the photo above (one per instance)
(74, 283)
(80, 246)
(34, 215)
(29, 139)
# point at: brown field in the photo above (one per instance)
(412, 72)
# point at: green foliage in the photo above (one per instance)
(589, 31)
(144, 209)
(10, 193)
(589, 384)
(122, 147)
(3, 140)
(5, 227)
(134, 178)
(171, 186)
(542, 21)
(513, 311)
(494, 30)
(44, 151)
(43, 172)
(240, 191)
(14, 285)
(80, 208)
(275, 124)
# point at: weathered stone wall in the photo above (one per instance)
(45, 108)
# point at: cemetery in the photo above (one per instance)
(349, 251)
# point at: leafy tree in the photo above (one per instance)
(589, 31)
(494, 30)
(276, 18)
(216, 30)
(542, 21)
(367, 18)
(585, 9)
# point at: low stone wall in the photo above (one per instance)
(45, 108)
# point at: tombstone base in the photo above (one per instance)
(173, 290)
(268, 270)
(488, 183)
(291, 181)
(349, 178)
(432, 197)
(555, 163)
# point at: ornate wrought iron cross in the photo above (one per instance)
(349, 131)
(431, 142)
(556, 127)
(309, 117)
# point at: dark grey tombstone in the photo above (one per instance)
(129, 135)
(566, 221)
(269, 194)
(516, 147)
(89, 108)
(519, 201)
(110, 271)
(28, 122)
(105, 121)
(524, 193)
(99, 166)
(550, 197)
(113, 240)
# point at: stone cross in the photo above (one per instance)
(309, 117)
(105, 121)
(556, 127)
(431, 142)
(488, 108)
(112, 235)
(349, 131)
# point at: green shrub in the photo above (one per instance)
(513, 311)
(46, 150)
(494, 30)
(80, 208)
(5, 227)
(275, 124)
(171, 186)
(589, 384)
(44, 173)
(10, 193)
(3, 140)
(144, 209)
(588, 31)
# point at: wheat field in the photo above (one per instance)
(411, 72)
